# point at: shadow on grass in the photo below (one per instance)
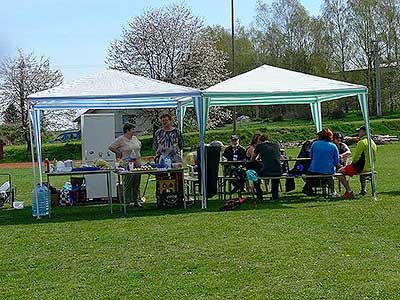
(390, 193)
(101, 212)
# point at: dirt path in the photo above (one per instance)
(16, 165)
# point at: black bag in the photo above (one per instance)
(301, 167)
(290, 185)
(167, 200)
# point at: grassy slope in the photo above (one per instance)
(298, 248)
(293, 130)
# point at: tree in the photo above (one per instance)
(362, 16)
(21, 76)
(245, 52)
(169, 44)
(388, 24)
(283, 36)
(335, 14)
(10, 115)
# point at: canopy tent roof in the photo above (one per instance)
(113, 89)
(272, 85)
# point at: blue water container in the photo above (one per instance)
(43, 201)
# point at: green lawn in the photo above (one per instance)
(296, 248)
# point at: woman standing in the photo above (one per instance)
(128, 145)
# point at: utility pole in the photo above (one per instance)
(233, 59)
(377, 64)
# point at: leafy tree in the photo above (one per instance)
(21, 76)
(10, 115)
(172, 45)
(168, 44)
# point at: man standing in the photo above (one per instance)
(360, 164)
(271, 165)
(168, 141)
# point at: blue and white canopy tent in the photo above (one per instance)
(109, 89)
(267, 85)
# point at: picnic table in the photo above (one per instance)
(121, 173)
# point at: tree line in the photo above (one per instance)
(341, 43)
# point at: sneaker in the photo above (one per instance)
(137, 204)
(335, 195)
(348, 195)
(363, 193)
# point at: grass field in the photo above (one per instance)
(295, 248)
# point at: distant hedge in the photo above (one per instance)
(285, 133)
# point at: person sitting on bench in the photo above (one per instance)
(234, 152)
(360, 164)
(344, 150)
(270, 155)
(324, 159)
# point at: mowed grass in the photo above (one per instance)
(296, 248)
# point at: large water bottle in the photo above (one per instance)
(43, 197)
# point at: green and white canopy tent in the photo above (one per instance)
(267, 85)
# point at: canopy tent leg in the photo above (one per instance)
(202, 105)
(33, 162)
(317, 115)
(363, 99)
(180, 114)
(38, 141)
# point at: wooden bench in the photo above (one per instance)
(324, 184)
(191, 182)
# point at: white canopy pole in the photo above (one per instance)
(201, 105)
(38, 142)
(363, 98)
(180, 114)
(317, 114)
(33, 163)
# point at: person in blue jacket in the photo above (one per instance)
(325, 157)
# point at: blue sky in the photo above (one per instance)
(75, 35)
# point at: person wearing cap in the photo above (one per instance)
(344, 150)
(234, 152)
(361, 163)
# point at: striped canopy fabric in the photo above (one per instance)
(113, 89)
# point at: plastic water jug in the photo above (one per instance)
(43, 198)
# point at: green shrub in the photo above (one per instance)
(337, 114)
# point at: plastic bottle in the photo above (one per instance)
(168, 162)
(43, 203)
(47, 165)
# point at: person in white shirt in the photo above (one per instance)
(128, 145)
